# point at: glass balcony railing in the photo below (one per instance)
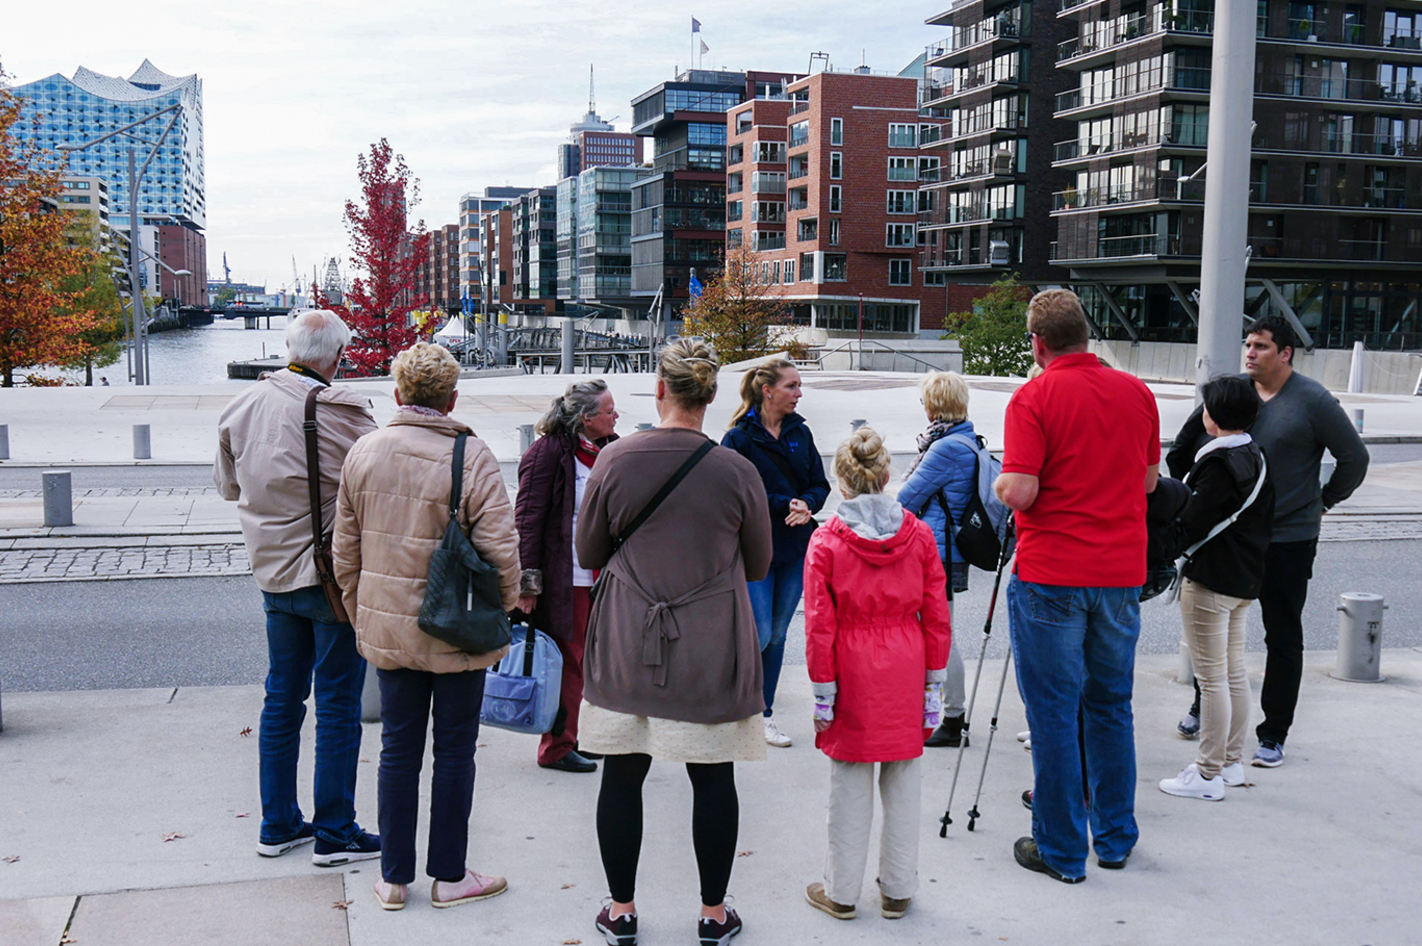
(1182, 78)
(1135, 192)
(1006, 24)
(1106, 35)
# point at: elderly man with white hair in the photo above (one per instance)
(262, 464)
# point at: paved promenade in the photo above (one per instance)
(128, 818)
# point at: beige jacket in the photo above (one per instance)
(390, 517)
(261, 463)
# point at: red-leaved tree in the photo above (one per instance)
(388, 253)
(40, 320)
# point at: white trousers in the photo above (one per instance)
(851, 816)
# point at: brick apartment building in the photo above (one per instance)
(497, 254)
(825, 188)
(182, 248)
(437, 278)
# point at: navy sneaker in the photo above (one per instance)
(306, 835)
(363, 847)
(1269, 755)
(1189, 725)
(718, 934)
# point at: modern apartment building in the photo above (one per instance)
(592, 143)
(993, 83)
(824, 186)
(88, 199)
(472, 210)
(60, 111)
(593, 238)
(535, 251)
(678, 209)
(1335, 221)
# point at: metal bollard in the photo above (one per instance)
(142, 442)
(4, 441)
(525, 438)
(370, 697)
(1360, 638)
(856, 424)
(1358, 419)
(58, 498)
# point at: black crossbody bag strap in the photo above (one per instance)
(456, 492)
(313, 470)
(619, 540)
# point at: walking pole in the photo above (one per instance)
(947, 818)
(992, 730)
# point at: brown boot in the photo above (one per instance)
(815, 893)
(892, 909)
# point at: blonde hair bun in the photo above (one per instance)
(688, 366)
(861, 463)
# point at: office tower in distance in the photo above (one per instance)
(472, 209)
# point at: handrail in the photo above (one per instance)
(845, 345)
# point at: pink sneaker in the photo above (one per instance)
(391, 896)
(472, 887)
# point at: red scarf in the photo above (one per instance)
(587, 452)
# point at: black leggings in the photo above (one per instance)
(715, 823)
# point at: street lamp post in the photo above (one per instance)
(139, 334)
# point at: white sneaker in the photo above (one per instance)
(1024, 736)
(1191, 784)
(774, 736)
(1233, 774)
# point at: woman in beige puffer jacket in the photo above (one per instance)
(391, 514)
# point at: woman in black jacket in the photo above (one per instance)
(1221, 578)
(766, 431)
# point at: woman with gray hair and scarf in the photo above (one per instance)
(555, 591)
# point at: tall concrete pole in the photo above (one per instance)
(140, 361)
(1223, 259)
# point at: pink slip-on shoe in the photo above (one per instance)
(472, 887)
(391, 896)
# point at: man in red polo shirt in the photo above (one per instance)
(1081, 451)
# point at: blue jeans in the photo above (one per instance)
(1076, 652)
(405, 698)
(773, 600)
(304, 641)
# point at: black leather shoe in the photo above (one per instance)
(1025, 850)
(588, 755)
(572, 762)
(949, 733)
(1113, 865)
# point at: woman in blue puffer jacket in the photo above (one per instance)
(767, 431)
(944, 475)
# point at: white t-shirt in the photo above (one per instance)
(582, 577)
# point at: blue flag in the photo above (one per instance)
(695, 25)
(694, 287)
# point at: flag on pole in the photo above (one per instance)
(694, 286)
(704, 48)
(695, 25)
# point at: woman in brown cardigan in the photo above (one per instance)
(672, 667)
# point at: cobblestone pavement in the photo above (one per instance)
(98, 564)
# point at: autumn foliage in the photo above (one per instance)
(388, 253)
(40, 322)
(737, 309)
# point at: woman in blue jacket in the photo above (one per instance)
(944, 478)
(766, 430)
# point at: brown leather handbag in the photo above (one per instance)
(321, 552)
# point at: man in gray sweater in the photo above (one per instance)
(1298, 420)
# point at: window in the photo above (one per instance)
(735, 154)
(939, 278)
(770, 152)
(733, 210)
(765, 272)
(799, 134)
(743, 122)
(899, 234)
(928, 168)
(900, 272)
(903, 136)
(733, 183)
(836, 198)
(808, 229)
(789, 271)
(775, 271)
(807, 267)
(836, 165)
(903, 202)
(836, 131)
(733, 238)
(768, 182)
(903, 169)
(834, 233)
(768, 211)
(836, 267)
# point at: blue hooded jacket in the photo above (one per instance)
(948, 465)
(751, 440)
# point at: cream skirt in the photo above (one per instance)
(670, 740)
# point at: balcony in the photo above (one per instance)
(983, 77)
(1147, 24)
(1182, 79)
(1142, 246)
(1133, 193)
(801, 105)
(983, 122)
(1100, 145)
(1334, 88)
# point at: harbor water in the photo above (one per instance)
(199, 355)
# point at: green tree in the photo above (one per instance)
(92, 290)
(994, 333)
(224, 296)
(737, 309)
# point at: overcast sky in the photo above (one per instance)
(473, 94)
